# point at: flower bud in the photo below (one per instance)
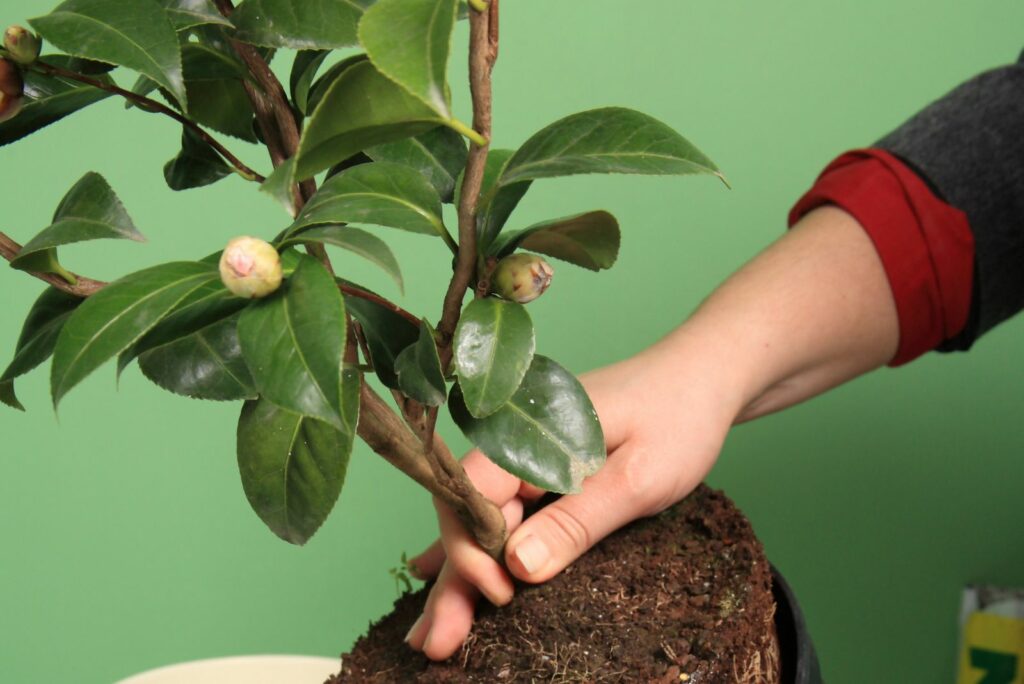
(11, 90)
(21, 44)
(250, 267)
(521, 277)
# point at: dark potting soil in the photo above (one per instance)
(681, 597)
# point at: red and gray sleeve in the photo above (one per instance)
(942, 199)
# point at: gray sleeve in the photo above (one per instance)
(969, 148)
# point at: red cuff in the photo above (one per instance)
(926, 246)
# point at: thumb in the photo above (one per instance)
(629, 486)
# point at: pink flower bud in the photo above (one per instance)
(521, 277)
(21, 44)
(250, 267)
(11, 90)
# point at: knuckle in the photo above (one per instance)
(567, 525)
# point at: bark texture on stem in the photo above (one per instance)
(483, 52)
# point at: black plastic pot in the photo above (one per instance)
(799, 660)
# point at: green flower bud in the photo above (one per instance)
(250, 267)
(22, 45)
(11, 90)
(521, 277)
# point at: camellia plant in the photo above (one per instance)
(361, 140)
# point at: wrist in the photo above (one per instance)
(702, 362)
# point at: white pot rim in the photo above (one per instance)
(243, 669)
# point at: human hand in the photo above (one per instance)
(665, 415)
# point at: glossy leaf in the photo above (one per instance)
(304, 68)
(409, 42)
(379, 193)
(137, 35)
(196, 165)
(38, 338)
(387, 335)
(293, 342)
(115, 317)
(494, 344)
(419, 369)
(194, 351)
(302, 25)
(89, 211)
(496, 207)
(49, 99)
(206, 364)
(439, 155)
(366, 245)
(362, 108)
(589, 240)
(547, 434)
(184, 14)
(292, 466)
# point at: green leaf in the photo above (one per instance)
(214, 82)
(409, 42)
(439, 155)
(496, 207)
(279, 185)
(184, 14)
(322, 84)
(610, 140)
(89, 211)
(216, 92)
(589, 240)
(300, 25)
(196, 165)
(293, 466)
(115, 317)
(206, 364)
(362, 108)
(137, 35)
(366, 245)
(38, 338)
(379, 193)
(494, 344)
(304, 68)
(293, 342)
(419, 369)
(387, 334)
(547, 434)
(194, 351)
(49, 99)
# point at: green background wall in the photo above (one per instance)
(127, 542)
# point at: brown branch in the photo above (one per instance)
(83, 286)
(483, 52)
(151, 105)
(376, 299)
(284, 122)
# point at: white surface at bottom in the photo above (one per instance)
(259, 669)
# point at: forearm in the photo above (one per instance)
(809, 313)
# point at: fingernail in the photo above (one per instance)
(532, 553)
(502, 599)
(426, 642)
(413, 628)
